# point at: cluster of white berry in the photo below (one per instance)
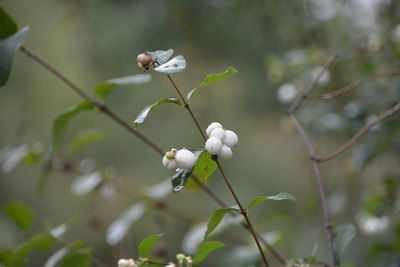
(182, 158)
(220, 141)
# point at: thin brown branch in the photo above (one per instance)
(321, 187)
(187, 106)
(227, 182)
(102, 108)
(313, 156)
(356, 84)
(312, 85)
(360, 134)
(123, 124)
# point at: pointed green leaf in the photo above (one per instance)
(37, 242)
(204, 167)
(147, 245)
(8, 47)
(6, 257)
(215, 219)
(342, 235)
(280, 196)
(21, 214)
(210, 79)
(180, 179)
(7, 24)
(75, 260)
(205, 249)
(104, 89)
(61, 122)
(145, 112)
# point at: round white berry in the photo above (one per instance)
(213, 126)
(185, 159)
(126, 263)
(225, 153)
(170, 164)
(218, 133)
(231, 139)
(213, 145)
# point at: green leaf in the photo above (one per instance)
(210, 79)
(36, 242)
(75, 260)
(104, 89)
(147, 245)
(7, 24)
(280, 196)
(143, 114)
(8, 48)
(204, 167)
(84, 139)
(61, 122)
(21, 214)
(205, 249)
(180, 179)
(342, 235)
(6, 257)
(215, 219)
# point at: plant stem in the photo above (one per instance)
(227, 182)
(360, 134)
(102, 108)
(126, 126)
(356, 84)
(314, 158)
(186, 105)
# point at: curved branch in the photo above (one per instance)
(360, 134)
(356, 84)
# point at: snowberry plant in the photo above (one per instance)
(189, 165)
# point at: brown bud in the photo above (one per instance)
(144, 59)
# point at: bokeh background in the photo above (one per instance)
(277, 48)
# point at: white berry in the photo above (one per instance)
(213, 145)
(231, 139)
(213, 126)
(126, 263)
(185, 159)
(170, 164)
(218, 133)
(225, 153)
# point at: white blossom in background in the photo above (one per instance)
(295, 57)
(371, 118)
(324, 10)
(352, 110)
(331, 121)
(220, 141)
(373, 225)
(325, 78)
(287, 92)
(396, 34)
(127, 263)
